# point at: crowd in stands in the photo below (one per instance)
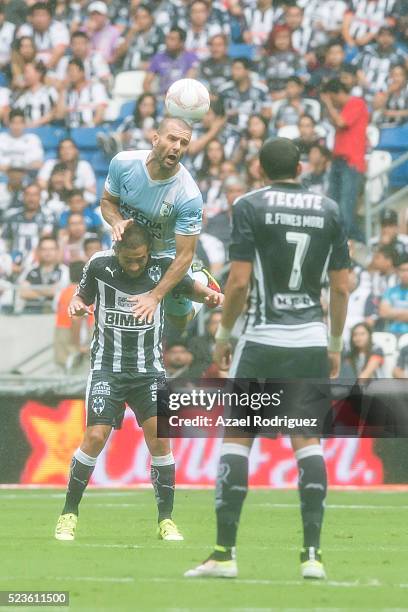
(316, 71)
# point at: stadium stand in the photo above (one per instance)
(279, 46)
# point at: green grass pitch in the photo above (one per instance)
(116, 562)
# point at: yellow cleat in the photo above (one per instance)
(311, 566)
(168, 530)
(66, 525)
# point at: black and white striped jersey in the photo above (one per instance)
(120, 341)
(369, 16)
(292, 237)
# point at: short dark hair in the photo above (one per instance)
(182, 33)
(45, 238)
(133, 237)
(40, 67)
(402, 260)
(75, 271)
(92, 239)
(388, 251)
(74, 192)
(334, 86)
(75, 61)
(179, 120)
(79, 34)
(145, 7)
(244, 61)
(16, 112)
(386, 28)
(307, 116)
(279, 158)
(322, 149)
(40, 6)
(295, 79)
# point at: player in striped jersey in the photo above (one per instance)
(126, 366)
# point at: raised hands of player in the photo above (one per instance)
(222, 354)
(145, 306)
(214, 299)
(119, 228)
(334, 361)
(78, 308)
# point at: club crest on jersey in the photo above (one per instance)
(98, 405)
(166, 209)
(154, 273)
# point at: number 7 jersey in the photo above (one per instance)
(293, 237)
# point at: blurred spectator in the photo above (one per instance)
(38, 101)
(363, 19)
(236, 21)
(327, 20)
(209, 180)
(103, 35)
(260, 18)
(96, 66)
(11, 192)
(281, 62)
(215, 71)
(242, 97)
(72, 335)
(178, 360)
(294, 105)
(401, 367)
(171, 64)
(392, 104)
(219, 226)
(51, 38)
(383, 274)
(24, 52)
(7, 31)
(141, 41)
(360, 306)
(301, 31)
(348, 76)
(200, 29)
(317, 177)
(85, 102)
(91, 246)
(15, 11)
(202, 347)
(333, 61)
(17, 148)
(79, 173)
(307, 138)
(208, 129)
(72, 239)
(39, 285)
(54, 197)
(389, 233)
(350, 117)
(23, 230)
(394, 305)
(365, 358)
(252, 139)
(135, 131)
(376, 60)
(254, 176)
(77, 205)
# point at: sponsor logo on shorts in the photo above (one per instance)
(98, 405)
(101, 388)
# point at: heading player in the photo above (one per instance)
(126, 366)
(153, 188)
(284, 240)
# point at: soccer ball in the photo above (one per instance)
(188, 99)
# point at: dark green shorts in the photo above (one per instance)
(108, 393)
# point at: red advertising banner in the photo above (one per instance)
(55, 433)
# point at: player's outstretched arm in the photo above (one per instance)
(111, 213)
(78, 308)
(339, 294)
(145, 305)
(207, 296)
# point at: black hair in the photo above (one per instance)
(295, 79)
(322, 149)
(244, 61)
(334, 86)
(92, 239)
(145, 7)
(182, 33)
(136, 113)
(75, 270)
(44, 238)
(354, 352)
(79, 34)
(40, 6)
(40, 67)
(279, 158)
(16, 112)
(73, 193)
(388, 251)
(133, 237)
(75, 61)
(307, 116)
(61, 142)
(402, 260)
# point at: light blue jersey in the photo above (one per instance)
(165, 208)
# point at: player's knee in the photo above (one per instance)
(95, 440)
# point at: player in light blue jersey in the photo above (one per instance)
(153, 188)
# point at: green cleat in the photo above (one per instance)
(168, 530)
